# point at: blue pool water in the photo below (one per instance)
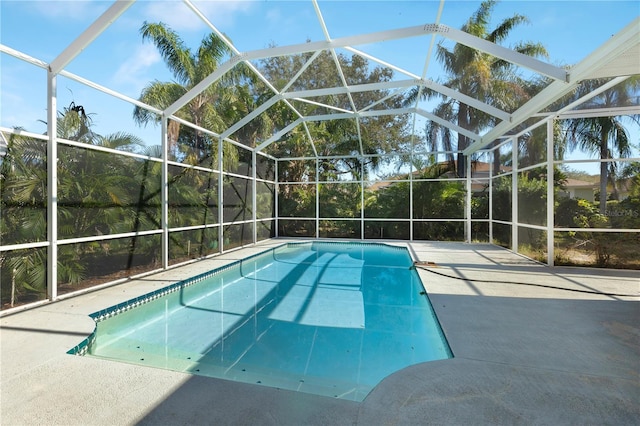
(325, 318)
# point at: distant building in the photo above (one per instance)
(574, 188)
(480, 172)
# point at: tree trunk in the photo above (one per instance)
(463, 122)
(173, 132)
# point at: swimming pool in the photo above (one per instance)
(326, 318)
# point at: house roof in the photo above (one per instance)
(576, 183)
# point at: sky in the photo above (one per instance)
(119, 60)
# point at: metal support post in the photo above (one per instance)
(362, 199)
(467, 223)
(164, 195)
(220, 197)
(550, 193)
(317, 198)
(411, 163)
(496, 151)
(52, 186)
(514, 195)
(254, 197)
(276, 196)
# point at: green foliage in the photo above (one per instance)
(339, 200)
(532, 199)
(216, 108)
(624, 214)
(369, 135)
(297, 200)
(98, 194)
(438, 200)
(607, 137)
(532, 202)
(431, 200)
(574, 213)
(501, 198)
(479, 75)
(23, 186)
(26, 270)
(607, 247)
(631, 172)
(391, 202)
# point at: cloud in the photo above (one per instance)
(180, 18)
(133, 73)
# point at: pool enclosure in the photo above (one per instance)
(377, 130)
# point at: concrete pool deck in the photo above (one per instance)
(525, 352)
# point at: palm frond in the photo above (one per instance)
(172, 49)
(502, 31)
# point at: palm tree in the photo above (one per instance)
(479, 75)
(631, 172)
(96, 195)
(604, 136)
(188, 68)
(217, 107)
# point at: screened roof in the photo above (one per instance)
(97, 47)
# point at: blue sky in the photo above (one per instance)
(119, 60)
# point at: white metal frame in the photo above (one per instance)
(596, 65)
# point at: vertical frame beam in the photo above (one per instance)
(467, 207)
(514, 195)
(362, 198)
(550, 193)
(164, 194)
(496, 151)
(411, 163)
(254, 195)
(276, 196)
(317, 197)
(52, 186)
(220, 196)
